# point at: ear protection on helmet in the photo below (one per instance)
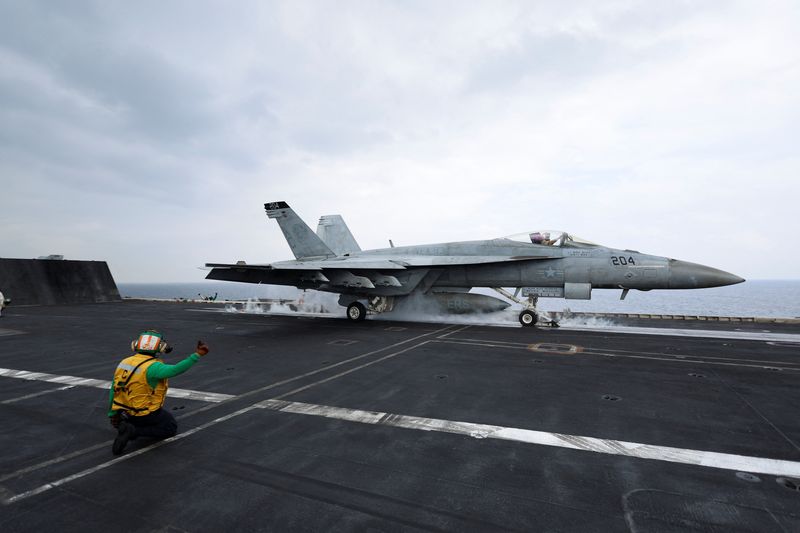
(150, 342)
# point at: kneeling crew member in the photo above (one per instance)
(140, 387)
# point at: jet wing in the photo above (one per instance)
(319, 274)
(400, 274)
(400, 262)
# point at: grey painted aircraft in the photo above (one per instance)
(538, 264)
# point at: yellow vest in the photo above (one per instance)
(132, 393)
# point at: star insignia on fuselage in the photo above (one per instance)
(551, 272)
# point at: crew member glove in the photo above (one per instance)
(116, 419)
(202, 348)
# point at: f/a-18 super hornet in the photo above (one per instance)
(537, 264)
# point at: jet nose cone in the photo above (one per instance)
(685, 275)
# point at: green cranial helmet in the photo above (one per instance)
(150, 342)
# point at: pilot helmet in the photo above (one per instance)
(150, 342)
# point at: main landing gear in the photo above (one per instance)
(528, 316)
(356, 312)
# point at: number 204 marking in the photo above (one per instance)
(621, 260)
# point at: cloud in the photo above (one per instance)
(665, 129)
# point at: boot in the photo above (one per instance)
(125, 432)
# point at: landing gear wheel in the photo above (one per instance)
(527, 318)
(356, 312)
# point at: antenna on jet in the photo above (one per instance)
(391, 244)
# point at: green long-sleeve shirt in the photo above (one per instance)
(158, 371)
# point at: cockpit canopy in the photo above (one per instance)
(551, 238)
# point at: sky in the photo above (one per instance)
(150, 134)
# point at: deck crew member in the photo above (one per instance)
(139, 388)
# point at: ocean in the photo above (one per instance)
(756, 298)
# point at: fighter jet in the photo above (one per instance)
(553, 264)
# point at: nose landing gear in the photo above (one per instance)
(528, 317)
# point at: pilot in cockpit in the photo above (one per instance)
(542, 238)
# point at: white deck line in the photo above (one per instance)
(37, 394)
(739, 463)
(211, 397)
(9, 498)
(701, 333)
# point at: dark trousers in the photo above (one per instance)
(157, 425)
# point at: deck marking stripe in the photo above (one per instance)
(47, 486)
(53, 461)
(756, 411)
(699, 359)
(695, 361)
(317, 371)
(459, 330)
(739, 463)
(35, 394)
(623, 353)
(521, 345)
(140, 451)
(351, 370)
(212, 397)
(488, 344)
(678, 332)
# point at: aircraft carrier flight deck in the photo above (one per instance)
(307, 423)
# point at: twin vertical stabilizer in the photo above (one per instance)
(333, 237)
(303, 242)
(334, 232)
